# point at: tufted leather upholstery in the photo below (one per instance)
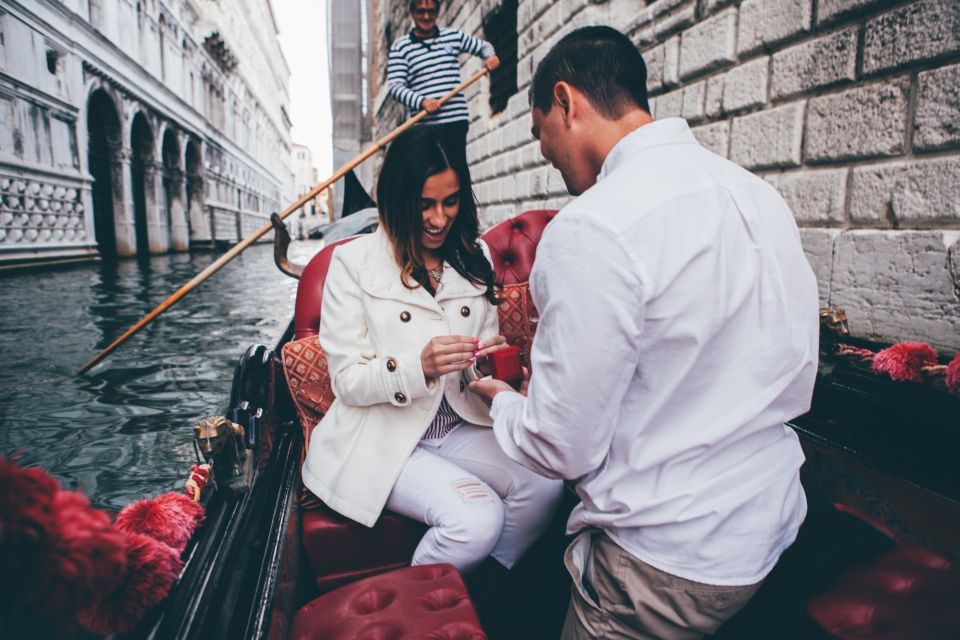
(513, 244)
(428, 601)
(341, 551)
(907, 592)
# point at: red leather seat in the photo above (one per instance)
(428, 601)
(513, 244)
(306, 314)
(907, 592)
(340, 550)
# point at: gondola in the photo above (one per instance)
(884, 450)
(270, 561)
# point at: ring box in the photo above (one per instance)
(505, 365)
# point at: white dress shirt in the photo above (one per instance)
(678, 332)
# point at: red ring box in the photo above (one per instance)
(505, 365)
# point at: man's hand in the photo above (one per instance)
(430, 105)
(488, 389)
(491, 63)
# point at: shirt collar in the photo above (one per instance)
(654, 134)
(415, 38)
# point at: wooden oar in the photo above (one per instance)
(234, 251)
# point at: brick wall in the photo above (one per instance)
(851, 108)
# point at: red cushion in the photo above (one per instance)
(513, 244)
(907, 592)
(516, 310)
(308, 378)
(429, 601)
(340, 550)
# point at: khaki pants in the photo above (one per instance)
(623, 597)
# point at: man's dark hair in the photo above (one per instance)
(599, 61)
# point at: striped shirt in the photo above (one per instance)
(429, 68)
(443, 423)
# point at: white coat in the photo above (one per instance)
(373, 329)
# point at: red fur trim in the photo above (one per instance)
(61, 553)
(170, 518)
(152, 567)
(903, 361)
(953, 375)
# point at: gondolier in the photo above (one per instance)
(424, 65)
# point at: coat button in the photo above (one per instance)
(391, 365)
(404, 316)
(462, 386)
(399, 397)
(465, 311)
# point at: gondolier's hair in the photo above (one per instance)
(599, 61)
(414, 156)
(413, 4)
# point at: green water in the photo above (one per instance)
(123, 430)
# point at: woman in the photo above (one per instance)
(405, 311)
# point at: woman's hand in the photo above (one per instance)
(489, 345)
(446, 354)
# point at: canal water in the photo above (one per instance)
(123, 430)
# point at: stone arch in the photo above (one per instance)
(104, 162)
(142, 179)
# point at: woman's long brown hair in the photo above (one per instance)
(414, 156)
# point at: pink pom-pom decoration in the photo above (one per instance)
(60, 552)
(152, 566)
(170, 518)
(953, 375)
(905, 360)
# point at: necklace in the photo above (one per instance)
(437, 273)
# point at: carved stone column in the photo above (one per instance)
(200, 230)
(123, 206)
(158, 231)
(179, 230)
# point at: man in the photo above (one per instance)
(678, 333)
(423, 66)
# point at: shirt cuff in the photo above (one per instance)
(506, 410)
(505, 403)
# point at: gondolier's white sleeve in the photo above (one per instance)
(358, 376)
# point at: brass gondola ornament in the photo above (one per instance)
(220, 442)
(833, 319)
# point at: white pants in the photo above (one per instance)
(476, 500)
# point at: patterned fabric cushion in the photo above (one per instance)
(518, 318)
(305, 367)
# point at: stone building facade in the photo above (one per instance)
(350, 40)
(851, 108)
(138, 126)
(305, 178)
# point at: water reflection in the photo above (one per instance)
(121, 432)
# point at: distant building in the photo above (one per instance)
(139, 127)
(851, 109)
(350, 47)
(305, 178)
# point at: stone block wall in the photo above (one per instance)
(850, 108)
